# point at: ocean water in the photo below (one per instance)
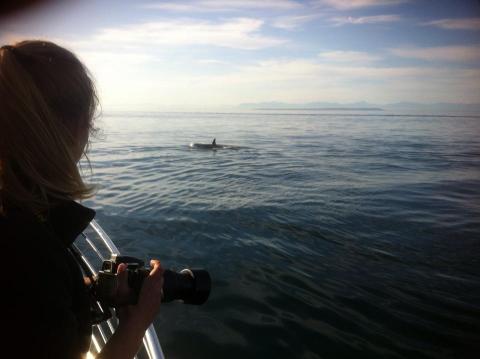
(327, 235)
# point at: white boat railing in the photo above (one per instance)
(95, 246)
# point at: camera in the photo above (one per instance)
(192, 286)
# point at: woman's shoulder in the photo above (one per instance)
(46, 289)
(20, 228)
(23, 230)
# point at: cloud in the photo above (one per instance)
(108, 59)
(292, 22)
(375, 19)
(355, 4)
(347, 57)
(303, 80)
(456, 24)
(223, 5)
(337, 76)
(240, 33)
(443, 53)
(212, 62)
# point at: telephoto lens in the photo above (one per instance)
(192, 286)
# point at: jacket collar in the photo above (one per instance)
(68, 220)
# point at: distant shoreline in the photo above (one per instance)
(123, 113)
(322, 109)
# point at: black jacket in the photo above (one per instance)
(45, 302)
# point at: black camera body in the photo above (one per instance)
(192, 286)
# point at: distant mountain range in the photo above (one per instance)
(435, 108)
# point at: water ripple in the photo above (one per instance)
(326, 236)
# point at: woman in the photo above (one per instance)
(47, 107)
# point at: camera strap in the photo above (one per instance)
(99, 312)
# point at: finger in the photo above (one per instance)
(157, 268)
(154, 262)
(156, 276)
(122, 279)
(122, 267)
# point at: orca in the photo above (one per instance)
(210, 146)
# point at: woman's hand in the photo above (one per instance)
(134, 319)
(143, 313)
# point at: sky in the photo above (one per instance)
(209, 54)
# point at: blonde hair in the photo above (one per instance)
(47, 100)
